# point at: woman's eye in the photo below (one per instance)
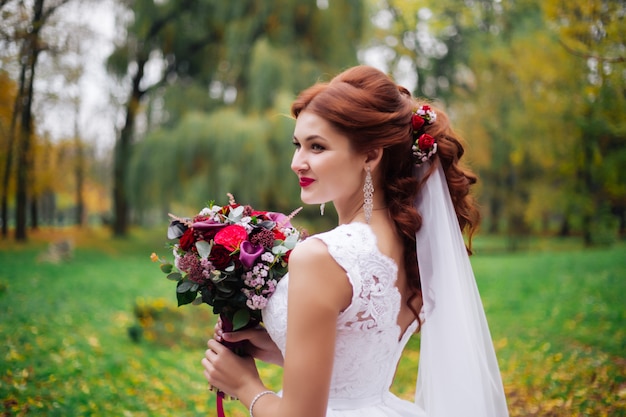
(317, 147)
(296, 144)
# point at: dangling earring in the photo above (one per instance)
(368, 194)
(322, 208)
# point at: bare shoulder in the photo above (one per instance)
(310, 251)
(312, 266)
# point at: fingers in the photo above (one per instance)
(224, 370)
(215, 347)
(212, 366)
(218, 331)
(240, 335)
(235, 336)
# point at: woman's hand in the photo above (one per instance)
(258, 343)
(228, 372)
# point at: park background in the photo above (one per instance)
(114, 113)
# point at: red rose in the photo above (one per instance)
(187, 240)
(259, 214)
(278, 235)
(425, 142)
(219, 257)
(231, 236)
(417, 122)
(286, 256)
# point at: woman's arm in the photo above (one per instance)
(318, 291)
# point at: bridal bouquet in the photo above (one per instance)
(230, 257)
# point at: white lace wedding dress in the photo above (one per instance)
(369, 343)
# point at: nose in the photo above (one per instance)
(298, 163)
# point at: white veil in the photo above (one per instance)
(458, 370)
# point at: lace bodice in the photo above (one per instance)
(368, 343)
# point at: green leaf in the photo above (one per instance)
(185, 286)
(186, 292)
(236, 214)
(185, 297)
(241, 319)
(204, 248)
(279, 250)
(175, 276)
(291, 240)
(167, 268)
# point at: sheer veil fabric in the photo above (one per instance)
(458, 370)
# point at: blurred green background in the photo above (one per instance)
(114, 113)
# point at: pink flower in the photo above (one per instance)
(256, 302)
(249, 253)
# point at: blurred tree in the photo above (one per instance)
(462, 54)
(244, 54)
(590, 29)
(7, 105)
(29, 22)
(545, 127)
(595, 33)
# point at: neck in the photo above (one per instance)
(360, 214)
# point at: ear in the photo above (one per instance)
(374, 157)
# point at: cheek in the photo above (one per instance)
(347, 176)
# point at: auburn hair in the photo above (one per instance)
(373, 112)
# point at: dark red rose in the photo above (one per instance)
(187, 240)
(425, 142)
(417, 122)
(286, 256)
(209, 234)
(220, 256)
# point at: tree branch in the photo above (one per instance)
(590, 55)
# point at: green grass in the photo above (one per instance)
(557, 319)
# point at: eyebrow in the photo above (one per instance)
(308, 138)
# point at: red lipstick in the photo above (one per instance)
(305, 182)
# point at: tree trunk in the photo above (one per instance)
(24, 146)
(565, 229)
(79, 172)
(34, 213)
(6, 175)
(123, 148)
(588, 140)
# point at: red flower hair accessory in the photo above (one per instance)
(424, 145)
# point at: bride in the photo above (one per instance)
(395, 264)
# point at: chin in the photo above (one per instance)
(307, 198)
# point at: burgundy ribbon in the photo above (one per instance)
(220, 404)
